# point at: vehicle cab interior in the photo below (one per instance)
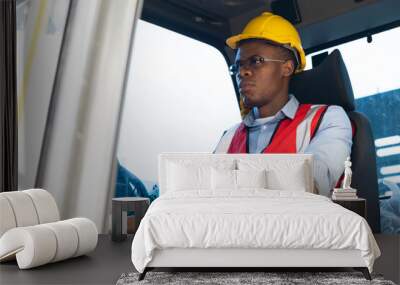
(111, 112)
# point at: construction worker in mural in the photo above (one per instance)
(268, 53)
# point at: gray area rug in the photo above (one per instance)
(225, 278)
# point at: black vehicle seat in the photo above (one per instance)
(329, 83)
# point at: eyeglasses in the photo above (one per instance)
(252, 63)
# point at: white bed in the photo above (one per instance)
(214, 211)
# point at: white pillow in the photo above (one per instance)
(187, 177)
(223, 179)
(290, 179)
(237, 179)
(282, 174)
(251, 178)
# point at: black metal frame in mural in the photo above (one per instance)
(8, 97)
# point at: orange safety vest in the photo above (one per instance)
(290, 135)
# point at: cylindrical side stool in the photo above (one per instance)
(120, 208)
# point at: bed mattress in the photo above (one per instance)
(250, 219)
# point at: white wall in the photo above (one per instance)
(180, 97)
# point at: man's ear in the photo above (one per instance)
(288, 68)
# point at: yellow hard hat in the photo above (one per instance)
(273, 28)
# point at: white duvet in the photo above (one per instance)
(250, 219)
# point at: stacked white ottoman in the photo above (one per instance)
(31, 230)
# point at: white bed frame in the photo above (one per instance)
(234, 257)
(242, 259)
(250, 258)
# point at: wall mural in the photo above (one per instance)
(384, 118)
(129, 185)
(383, 112)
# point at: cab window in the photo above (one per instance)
(180, 98)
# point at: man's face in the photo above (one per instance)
(260, 83)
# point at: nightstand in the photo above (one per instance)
(358, 205)
(120, 208)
